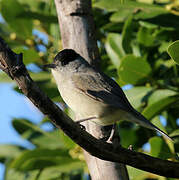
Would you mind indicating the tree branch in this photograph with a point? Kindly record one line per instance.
(12, 64)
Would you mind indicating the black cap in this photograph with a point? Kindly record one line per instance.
(65, 56)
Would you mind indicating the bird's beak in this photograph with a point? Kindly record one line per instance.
(52, 66)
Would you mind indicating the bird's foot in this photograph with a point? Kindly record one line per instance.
(82, 126)
(131, 147)
(83, 120)
(114, 138)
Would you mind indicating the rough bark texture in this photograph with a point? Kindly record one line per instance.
(77, 28)
(12, 64)
(77, 32)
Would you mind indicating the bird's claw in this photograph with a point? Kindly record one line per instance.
(130, 147)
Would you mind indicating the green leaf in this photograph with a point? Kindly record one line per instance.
(166, 20)
(173, 51)
(150, 101)
(125, 133)
(41, 17)
(151, 12)
(159, 148)
(148, 25)
(134, 70)
(145, 37)
(175, 133)
(133, 6)
(43, 79)
(12, 174)
(29, 55)
(46, 82)
(34, 5)
(11, 9)
(137, 12)
(40, 138)
(41, 158)
(22, 125)
(50, 88)
(4, 77)
(136, 95)
(10, 151)
(121, 15)
(137, 174)
(156, 121)
(114, 48)
(164, 47)
(53, 172)
(54, 29)
(41, 76)
(127, 35)
(159, 100)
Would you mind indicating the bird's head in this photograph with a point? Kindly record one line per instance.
(64, 59)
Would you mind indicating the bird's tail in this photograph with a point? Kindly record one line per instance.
(141, 120)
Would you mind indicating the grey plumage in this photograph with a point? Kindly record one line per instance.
(90, 93)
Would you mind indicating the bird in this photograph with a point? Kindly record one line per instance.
(92, 94)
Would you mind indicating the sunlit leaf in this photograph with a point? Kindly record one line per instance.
(114, 48)
(5, 78)
(125, 134)
(146, 37)
(175, 133)
(156, 121)
(12, 174)
(173, 51)
(55, 171)
(135, 7)
(159, 148)
(29, 55)
(10, 10)
(151, 101)
(41, 76)
(41, 17)
(137, 174)
(137, 95)
(133, 69)
(125, 11)
(127, 35)
(10, 151)
(159, 100)
(121, 15)
(39, 137)
(41, 158)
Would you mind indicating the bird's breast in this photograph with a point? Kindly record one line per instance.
(81, 103)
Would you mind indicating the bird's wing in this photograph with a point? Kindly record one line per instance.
(102, 88)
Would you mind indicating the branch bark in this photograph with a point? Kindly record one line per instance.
(78, 33)
(12, 64)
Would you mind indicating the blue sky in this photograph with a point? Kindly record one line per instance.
(14, 105)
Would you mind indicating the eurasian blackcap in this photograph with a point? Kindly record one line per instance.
(91, 94)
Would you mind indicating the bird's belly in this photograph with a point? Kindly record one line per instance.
(85, 106)
(81, 103)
